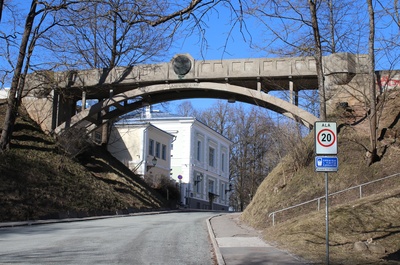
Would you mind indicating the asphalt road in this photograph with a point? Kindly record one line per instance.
(173, 238)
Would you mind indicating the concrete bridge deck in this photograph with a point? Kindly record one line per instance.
(262, 74)
(124, 89)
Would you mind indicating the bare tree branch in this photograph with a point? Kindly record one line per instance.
(186, 11)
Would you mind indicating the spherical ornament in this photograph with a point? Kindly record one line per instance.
(181, 65)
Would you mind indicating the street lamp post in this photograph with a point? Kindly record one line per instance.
(230, 188)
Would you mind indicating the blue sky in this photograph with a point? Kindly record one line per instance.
(224, 41)
(219, 45)
(239, 46)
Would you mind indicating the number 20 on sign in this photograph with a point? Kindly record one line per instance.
(325, 138)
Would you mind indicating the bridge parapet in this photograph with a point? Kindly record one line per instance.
(257, 67)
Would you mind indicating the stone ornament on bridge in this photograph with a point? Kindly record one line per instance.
(182, 64)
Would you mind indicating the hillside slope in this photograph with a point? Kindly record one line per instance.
(286, 186)
(37, 180)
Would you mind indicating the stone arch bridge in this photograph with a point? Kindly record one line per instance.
(52, 97)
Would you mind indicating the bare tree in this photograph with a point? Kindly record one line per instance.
(113, 42)
(186, 109)
(250, 131)
(335, 26)
(105, 34)
(372, 88)
(312, 28)
(31, 33)
(318, 58)
(219, 117)
(12, 102)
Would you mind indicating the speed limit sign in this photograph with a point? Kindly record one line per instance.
(325, 138)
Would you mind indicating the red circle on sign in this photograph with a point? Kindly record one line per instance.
(333, 136)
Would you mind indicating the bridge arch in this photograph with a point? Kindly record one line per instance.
(52, 96)
(122, 103)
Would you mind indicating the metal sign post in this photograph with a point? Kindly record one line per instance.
(326, 144)
(327, 218)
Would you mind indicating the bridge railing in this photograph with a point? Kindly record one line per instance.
(318, 200)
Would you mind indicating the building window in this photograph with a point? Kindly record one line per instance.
(158, 149)
(164, 152)
(223, 162)
(151, 147)
(198, 151)
(211, 156)
(199, 178)
(211, 186)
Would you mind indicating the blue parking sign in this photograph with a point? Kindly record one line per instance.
(326, 163)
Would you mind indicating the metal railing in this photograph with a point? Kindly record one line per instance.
(318, 200)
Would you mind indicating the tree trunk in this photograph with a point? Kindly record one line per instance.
(13, 102)
(372, 90)
(318, 57)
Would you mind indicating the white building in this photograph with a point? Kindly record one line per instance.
(144, 148)
(199, 159)
(4, 93)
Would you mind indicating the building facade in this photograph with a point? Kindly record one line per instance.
(142, 147)
(199, 159)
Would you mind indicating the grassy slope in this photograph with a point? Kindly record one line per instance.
(302, 230)
(37, 180)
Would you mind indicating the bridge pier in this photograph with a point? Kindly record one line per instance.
(83, 100)
(293, 93)
(55, 110)
(65, 109)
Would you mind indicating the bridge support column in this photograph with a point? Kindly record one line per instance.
(83, 100)
(56, 109)
(63, 110)
(294, 94)
(258, 84)
(66, 109)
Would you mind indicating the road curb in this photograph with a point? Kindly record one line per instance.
(218, 255)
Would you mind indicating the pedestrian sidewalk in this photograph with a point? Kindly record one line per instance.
(235, 243)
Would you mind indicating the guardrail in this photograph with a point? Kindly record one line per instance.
(318, 200)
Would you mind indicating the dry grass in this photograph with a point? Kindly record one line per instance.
(302, 229)
(375, 217)
(37, 180)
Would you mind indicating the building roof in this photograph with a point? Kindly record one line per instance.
(145, 115)
(139, 124)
